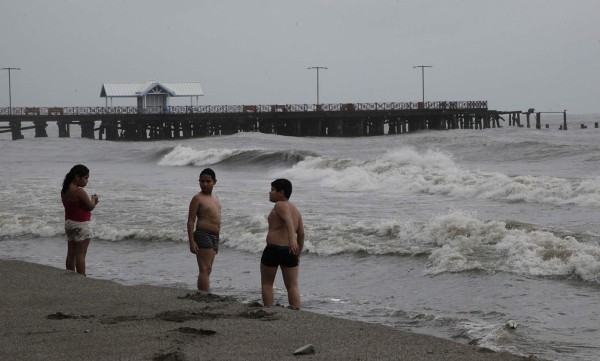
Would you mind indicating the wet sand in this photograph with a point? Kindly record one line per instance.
(53, 314)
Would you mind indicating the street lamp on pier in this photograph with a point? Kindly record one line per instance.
(317, 68)
(9, 88)
(423, 78)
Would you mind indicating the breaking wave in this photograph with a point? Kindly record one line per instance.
(453, 242)
(436, 173)
(188, 156)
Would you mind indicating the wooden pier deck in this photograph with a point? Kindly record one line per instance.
(323, 120)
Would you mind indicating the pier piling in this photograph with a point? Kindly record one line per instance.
(15, 128)
(40, 128)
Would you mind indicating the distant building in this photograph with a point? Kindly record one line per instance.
(152, 96)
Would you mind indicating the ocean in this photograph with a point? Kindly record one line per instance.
(448, 233)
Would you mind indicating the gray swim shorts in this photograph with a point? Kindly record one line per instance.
(206, 239)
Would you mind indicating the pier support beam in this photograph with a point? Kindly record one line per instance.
(454, 122)
(112, 129)
(186, 128)
(265, 126)
(311, 128)
(87, 129)
(15, 129)
(393, 126)
(200, 129)
(64, 130)
(40, 128)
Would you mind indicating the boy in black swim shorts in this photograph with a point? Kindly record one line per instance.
(285, 240)
(275, 256)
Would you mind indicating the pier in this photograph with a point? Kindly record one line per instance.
(301, 120)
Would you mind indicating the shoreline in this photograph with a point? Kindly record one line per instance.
(53, 314)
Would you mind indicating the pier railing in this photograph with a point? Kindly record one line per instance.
(216, 109)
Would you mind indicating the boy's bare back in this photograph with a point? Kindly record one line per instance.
(278, 231)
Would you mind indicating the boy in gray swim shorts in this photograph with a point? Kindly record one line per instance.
(204, 226)
(206, 239)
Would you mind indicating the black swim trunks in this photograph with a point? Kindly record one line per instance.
(274, 256)
(206, 239)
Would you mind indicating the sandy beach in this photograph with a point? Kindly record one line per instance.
(52, 314)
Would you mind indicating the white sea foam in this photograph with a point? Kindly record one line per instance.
(18, 225)
(111, 233)
(453, 242)
(543, 254)
(436, 173)
(12, 225)
(468, 243)
(182, 155)
(487, 335)
(407, 171)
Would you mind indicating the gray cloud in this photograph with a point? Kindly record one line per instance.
(514, 53)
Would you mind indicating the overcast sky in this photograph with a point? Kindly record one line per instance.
(515, 54)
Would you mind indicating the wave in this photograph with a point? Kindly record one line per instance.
(188, 156)
(486, 332)
(454, 242)
(407, 171)
(16, 225)
(464, 243)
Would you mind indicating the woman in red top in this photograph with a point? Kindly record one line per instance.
(78, 214)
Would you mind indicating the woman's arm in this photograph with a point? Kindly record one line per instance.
(88, 202)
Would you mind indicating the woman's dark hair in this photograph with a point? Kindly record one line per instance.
(78, 170)
(283, 185)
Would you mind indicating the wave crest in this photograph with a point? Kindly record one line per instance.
(454, 242)
(184, 156)
(406, 171)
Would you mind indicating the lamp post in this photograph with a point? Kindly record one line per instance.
(423, 78)
(9, 91)
(317, 68)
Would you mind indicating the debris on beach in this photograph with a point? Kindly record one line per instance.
(511, 324)
(196, 331)
(305, 350)
(63, 316)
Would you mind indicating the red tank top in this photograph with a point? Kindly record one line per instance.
(75, 211)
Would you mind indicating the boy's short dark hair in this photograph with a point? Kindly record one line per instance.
(209, 172)
(284, 185)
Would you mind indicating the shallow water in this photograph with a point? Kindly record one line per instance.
(447, 233)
